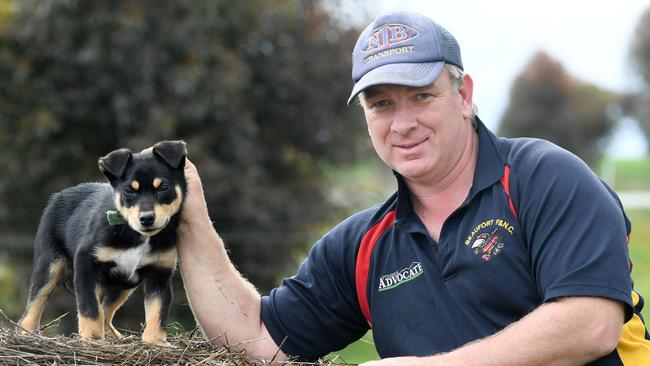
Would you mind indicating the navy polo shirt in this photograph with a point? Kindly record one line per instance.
(491, 266)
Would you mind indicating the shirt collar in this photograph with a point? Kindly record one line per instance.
(489, 170)
(489, 165)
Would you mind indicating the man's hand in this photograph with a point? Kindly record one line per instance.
(226, 305)
(194, 205)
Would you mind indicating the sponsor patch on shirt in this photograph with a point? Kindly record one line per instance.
(398, 278)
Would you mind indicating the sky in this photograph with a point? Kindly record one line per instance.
(591, 39)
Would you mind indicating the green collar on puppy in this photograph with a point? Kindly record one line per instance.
(114, 218)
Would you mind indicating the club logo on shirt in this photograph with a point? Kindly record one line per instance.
(487, 245)
(486, 240)
(398, 278)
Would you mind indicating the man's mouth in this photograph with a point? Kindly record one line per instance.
(411, 144)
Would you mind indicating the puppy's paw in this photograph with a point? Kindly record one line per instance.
(156, 337)
(162, 343)
(91, 329)
(28, 323)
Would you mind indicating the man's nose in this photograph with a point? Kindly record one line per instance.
(404, 120)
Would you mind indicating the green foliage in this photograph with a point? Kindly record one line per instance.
(9, 299)
(546, 102)
(256, 88)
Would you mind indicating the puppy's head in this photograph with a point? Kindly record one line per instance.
(148, 187)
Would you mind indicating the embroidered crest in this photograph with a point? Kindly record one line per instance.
(486, 240)
(486, 245)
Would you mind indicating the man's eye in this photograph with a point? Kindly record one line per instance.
(381, 104)
(423, 96)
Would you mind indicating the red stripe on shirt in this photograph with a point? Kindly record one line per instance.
(363, 260)
(505, 181)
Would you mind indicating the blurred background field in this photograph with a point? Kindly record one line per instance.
(258, 88)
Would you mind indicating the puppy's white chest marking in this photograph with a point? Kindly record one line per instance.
(131, 259)
(128, 261)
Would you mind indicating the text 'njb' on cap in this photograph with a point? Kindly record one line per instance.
(402, 48)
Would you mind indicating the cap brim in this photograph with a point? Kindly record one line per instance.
(406, 74)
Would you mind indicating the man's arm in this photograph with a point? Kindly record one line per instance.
(226, 306)
(567, 331)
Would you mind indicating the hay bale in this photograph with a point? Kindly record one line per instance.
(17, 348)
(188, 348)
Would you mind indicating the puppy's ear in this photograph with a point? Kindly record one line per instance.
(114, 164)
(171, 152)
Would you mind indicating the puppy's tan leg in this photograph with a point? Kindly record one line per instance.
(153, 332)
(44, 281)
(92, 327)
(112, 302)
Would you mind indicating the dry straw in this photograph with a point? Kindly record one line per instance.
(187, 348)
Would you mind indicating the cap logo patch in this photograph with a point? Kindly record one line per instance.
(389, 35)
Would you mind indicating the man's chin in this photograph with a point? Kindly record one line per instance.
(413, 169)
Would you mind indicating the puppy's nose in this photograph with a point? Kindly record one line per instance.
(147, 218)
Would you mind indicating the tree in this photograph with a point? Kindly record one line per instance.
(256, 88)
(638, 104)
(546, 102)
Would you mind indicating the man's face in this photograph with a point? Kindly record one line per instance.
(420, 132)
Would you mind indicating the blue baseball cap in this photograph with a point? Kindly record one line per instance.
(402, 48)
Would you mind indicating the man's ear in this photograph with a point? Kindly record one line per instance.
(466, 92)
(171, 152)
(114, 164)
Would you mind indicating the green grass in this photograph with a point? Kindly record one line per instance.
(628, 174)
(358, 352)
(640, 255)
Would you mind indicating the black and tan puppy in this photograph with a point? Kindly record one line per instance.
(112, 237)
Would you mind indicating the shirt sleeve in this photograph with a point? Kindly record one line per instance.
(574, 226)
(316, 311)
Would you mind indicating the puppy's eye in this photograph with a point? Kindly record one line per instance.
(129, 191)
(164, 187)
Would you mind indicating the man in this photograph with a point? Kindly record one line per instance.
(492, 251)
